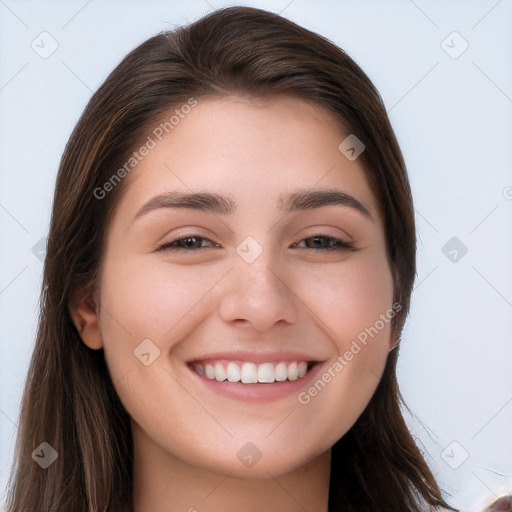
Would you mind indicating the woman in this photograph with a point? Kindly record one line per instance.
(228, 272)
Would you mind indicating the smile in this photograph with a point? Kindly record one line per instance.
(255, 377)
(251, 373)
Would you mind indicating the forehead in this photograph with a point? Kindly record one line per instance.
(254, 151)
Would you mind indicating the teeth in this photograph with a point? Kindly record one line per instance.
(293, 372)
(200, 369)
(280, 372)
(220, 374)
(250, 373)
(209, 371)
(266, 372)
(233, 372)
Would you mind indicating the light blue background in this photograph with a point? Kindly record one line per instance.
(453, 121)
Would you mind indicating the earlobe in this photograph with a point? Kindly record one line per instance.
(84, 311)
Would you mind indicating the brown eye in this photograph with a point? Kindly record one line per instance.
(187, 243)
(327, 243)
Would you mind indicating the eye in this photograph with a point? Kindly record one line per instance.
(187, 243)
(325, 243)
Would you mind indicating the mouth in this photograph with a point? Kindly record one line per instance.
(254, 379)
(252, 373)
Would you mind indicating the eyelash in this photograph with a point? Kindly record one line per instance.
(339, 245)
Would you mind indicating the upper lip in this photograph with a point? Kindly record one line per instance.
(256, 357)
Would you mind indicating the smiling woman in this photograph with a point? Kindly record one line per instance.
(220, 327)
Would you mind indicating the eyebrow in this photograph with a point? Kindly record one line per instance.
(221, 204)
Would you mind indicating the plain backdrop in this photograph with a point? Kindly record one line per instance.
(444, 71)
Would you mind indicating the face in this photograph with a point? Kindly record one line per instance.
(245, 331)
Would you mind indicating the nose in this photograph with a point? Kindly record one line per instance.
(258, 296)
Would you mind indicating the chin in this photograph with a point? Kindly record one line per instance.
(249, 462)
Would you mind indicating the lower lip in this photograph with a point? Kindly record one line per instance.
(258, 392)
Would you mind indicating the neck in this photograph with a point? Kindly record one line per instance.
(164, 483)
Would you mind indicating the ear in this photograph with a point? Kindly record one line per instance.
(84, 310)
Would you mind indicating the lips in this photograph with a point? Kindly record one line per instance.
(253, 368)
(212, 373)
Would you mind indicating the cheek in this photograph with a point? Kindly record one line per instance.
(157, 301)
(350, 297)
(150, 300)
(160, 303)
(355, 308)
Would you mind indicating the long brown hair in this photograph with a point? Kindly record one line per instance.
(69, 400)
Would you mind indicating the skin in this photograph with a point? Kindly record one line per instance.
(187, 437)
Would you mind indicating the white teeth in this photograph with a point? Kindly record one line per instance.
(233, 372)
(266, 372)
(220, 373)
(280, 372)
(209, 372)
(293, 372)
(250, 373)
